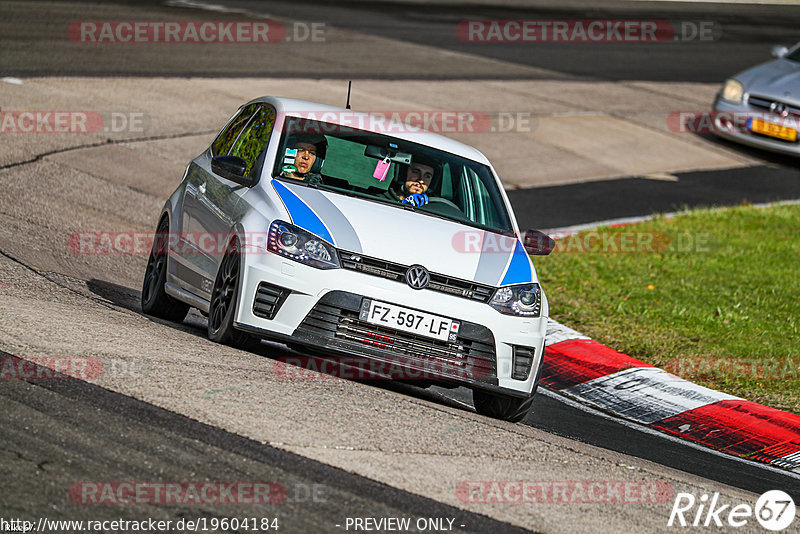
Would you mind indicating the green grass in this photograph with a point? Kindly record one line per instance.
(711, 295)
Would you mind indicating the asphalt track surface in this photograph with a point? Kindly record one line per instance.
(738, 34)
(584, 203)
(41, 415)
(742, 36)
(86, 423)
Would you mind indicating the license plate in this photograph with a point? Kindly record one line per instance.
(407, 320)
(773, 130)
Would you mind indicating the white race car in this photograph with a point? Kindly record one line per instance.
(343, 236)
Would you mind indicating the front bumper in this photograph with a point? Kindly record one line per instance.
(726, 113)
(294, 303)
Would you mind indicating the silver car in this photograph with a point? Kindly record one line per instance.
(760, 107)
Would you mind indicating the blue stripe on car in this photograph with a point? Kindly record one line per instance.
(302, 215)
(346, 236)
(494, 258)
(519, 270)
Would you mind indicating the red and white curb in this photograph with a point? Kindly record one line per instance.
(599, 376)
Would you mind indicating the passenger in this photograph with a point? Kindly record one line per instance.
(309, 148)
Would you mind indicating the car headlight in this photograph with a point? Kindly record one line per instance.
(732, 91)
(291, 242)
(524, 300)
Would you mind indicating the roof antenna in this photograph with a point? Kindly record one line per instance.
(348, 93)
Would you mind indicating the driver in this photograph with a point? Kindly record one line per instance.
(308, 148)
(418, 179)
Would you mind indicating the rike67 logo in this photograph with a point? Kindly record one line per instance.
(774, 510)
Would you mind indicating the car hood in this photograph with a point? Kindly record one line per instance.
(778, 80)
(406, 237)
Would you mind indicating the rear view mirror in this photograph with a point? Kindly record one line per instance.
(232, 168)
(379, 152)
(537, 243)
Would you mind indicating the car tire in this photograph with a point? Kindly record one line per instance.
(224, 297)
(513, 409)
(155, 300)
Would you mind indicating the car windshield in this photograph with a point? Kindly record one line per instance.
(794, 56)
(377, 167)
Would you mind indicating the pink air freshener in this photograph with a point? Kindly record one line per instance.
(381, 169)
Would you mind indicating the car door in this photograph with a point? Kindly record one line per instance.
(210, 200)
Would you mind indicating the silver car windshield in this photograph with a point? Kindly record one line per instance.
(794, 56)
(385, 169)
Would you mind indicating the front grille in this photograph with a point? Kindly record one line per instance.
(766, 103)
(350, 327)
(334, 323)
(523, 361)
(268, 300)
(397, 272)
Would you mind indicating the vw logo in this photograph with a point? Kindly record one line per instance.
(418, 277)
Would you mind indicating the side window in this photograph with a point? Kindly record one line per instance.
(467, 193)
(482, 206)
(482, 201)
(228, 135)
(446, 189)
(253, 140)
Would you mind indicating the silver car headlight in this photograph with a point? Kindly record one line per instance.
(292, 242)
(523, 300)
(732, 91)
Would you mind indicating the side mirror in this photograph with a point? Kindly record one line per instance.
(779, 51)
(232, 168)
(537, 243)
